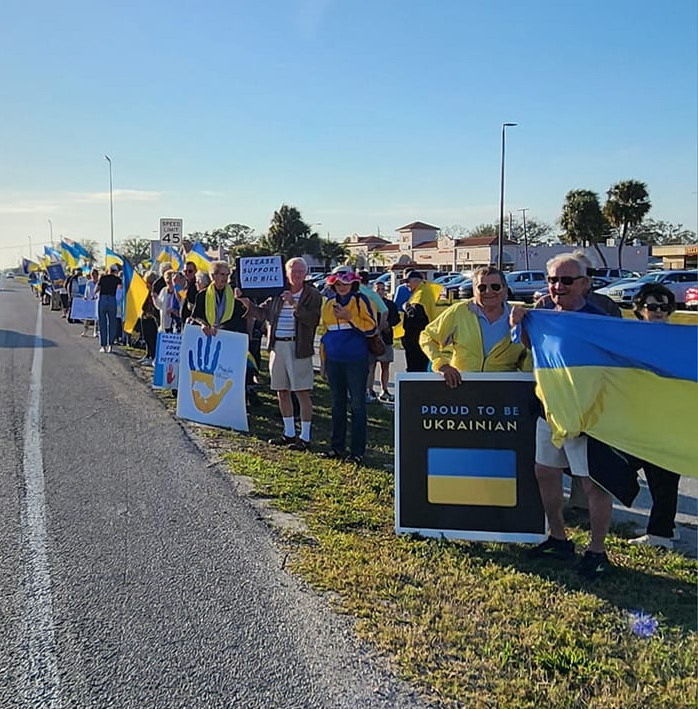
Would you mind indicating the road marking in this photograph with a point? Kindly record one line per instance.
(41, 686)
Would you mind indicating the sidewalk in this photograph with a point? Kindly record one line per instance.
(687, 514)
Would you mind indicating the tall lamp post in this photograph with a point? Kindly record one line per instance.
(50, 231)
(111, 202)
(523, 211)
(500, 240)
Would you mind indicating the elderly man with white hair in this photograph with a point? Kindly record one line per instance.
(568, 285)
(292, 319)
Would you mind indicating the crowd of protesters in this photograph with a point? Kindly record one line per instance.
(473, 335)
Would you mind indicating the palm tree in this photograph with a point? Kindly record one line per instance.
(289, 235)
(332, 252)
(583, 221)
(627, 204)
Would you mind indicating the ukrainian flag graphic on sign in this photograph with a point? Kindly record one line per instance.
(471, 476)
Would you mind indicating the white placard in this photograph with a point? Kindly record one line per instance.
(171, 232)
(212, 378)
(257, 272)
(82, 309)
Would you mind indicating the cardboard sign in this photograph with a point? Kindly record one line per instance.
(260, 276)
(212, 378)
(464, 458)
(81, 309)
(166, 364)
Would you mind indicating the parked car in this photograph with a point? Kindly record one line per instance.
(450, 290)
(465, 289)
(613, 274)
(382, 278)
(678, 282)
(692, 298)
(524, 284)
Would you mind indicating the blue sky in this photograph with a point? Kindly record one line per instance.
(363, 115)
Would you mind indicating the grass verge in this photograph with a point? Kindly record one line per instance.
(474, 625)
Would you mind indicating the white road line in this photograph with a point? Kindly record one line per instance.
(41, 688)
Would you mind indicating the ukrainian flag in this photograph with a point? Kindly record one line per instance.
(28, 266)
(111, 257)
(475, 476)
(69, 255)
(52, 254)
(169, 254)
(135, 291)
(631, 384)
(199, 256)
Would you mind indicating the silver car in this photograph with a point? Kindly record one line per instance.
(524, 284)
(678, 282)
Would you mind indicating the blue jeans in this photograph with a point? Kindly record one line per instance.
(351, 377)
(106, 309)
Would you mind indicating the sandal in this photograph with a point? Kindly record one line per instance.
(332, 454)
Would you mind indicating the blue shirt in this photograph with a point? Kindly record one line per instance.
(494, 332)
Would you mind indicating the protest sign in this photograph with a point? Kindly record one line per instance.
(212, 378)
(464, 458)
(166, 364)
(82, 309)
(260, 276)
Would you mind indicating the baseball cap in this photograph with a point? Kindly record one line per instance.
(114, 268)
(346, 276)
(414, 274)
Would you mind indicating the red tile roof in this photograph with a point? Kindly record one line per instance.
(482, 241)
(417, 225)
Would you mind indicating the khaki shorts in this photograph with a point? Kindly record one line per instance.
(387, 356)
(572, 455)
(287, 372)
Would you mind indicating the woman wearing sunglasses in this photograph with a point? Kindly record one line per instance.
(476, 331)
(655, 303)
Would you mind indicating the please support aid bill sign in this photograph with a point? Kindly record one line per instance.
(464, 458)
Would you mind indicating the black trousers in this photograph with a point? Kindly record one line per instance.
(415, 359)
(664, 488)
(150, 335)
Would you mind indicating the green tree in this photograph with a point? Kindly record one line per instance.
(134, 249)
(583, 221)
(627, 204)
(660, 233)
(483, 230)
(289, 235)
(92, 249)
(332, 252)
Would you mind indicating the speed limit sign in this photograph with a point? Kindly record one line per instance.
(171, 231)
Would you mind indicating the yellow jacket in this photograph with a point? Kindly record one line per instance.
(457, 329)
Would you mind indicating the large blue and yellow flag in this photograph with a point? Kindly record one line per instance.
(199, 256)
(135, 291)
(111, 258)
(52, 254)
(69, 255)
(169, 254)
(29, 266)
(631, 384)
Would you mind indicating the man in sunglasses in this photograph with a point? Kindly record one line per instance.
(477, 331)
(568, 285)
(191, 290)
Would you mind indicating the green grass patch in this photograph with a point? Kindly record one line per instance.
(474, 625)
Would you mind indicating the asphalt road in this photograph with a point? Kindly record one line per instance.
(133, 575)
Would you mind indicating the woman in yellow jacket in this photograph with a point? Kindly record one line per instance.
(348, 318)
(474, 336)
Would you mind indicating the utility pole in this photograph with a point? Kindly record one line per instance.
(523, 211)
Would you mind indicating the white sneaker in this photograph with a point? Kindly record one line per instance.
(108, 349)
(102, 350)
(652, 540)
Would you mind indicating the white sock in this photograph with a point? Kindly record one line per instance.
(305, 431)
(289, 426)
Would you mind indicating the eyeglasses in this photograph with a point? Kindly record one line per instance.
(482, 287)
(654, 307)
(565, 280)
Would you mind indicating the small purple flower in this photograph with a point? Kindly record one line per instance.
(642, 624)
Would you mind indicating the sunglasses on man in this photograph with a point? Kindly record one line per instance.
(482, 287)
(565, 280)
(654, 307)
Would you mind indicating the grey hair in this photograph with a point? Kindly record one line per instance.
(203, 277)
(574, 258)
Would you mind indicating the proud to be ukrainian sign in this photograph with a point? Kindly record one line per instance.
(464, 458)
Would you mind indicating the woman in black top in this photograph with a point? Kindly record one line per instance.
(106, 307)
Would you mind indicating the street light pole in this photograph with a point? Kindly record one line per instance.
(50, 231)
(111, 202)
(523, 211)
(500, 240)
